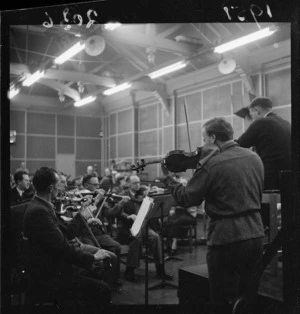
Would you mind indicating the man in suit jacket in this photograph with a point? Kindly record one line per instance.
(270, 135)
(51, 256)
(21, 191)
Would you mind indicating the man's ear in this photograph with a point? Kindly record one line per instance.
(50, 188)
(258, 110)
(213, 136)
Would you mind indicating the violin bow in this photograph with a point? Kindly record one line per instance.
(89, 230)
(100, 209)
(187, 127)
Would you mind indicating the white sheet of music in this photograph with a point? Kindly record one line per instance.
(144, 209)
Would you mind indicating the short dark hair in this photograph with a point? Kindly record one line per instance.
(87, 178)
(262, 102)
(220, 128)
(18, 176)
(120, 178)
(43, 178)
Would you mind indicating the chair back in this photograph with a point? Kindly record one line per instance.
(16, 230)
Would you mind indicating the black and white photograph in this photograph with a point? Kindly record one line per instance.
(153, 158)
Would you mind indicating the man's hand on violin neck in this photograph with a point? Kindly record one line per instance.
(133, 217)
(99, 196)
(124, 200)
(88, 201)
(164, 169)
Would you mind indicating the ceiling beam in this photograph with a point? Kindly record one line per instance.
(159, 90)
(136, 62)
(170, 30)
(68, 91)
(201, 33)
(144, 40)
(87, 78)
(208, 25)
(16, 47)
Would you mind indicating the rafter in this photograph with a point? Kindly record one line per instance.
(144, 40)
(71, 92)
(87, 78)
(169, 31)
(16, 47)
(136, 62)
(201, 33)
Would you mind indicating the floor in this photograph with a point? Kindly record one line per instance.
(165, 299)
(135, 293)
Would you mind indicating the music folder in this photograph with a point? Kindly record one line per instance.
(142, 216)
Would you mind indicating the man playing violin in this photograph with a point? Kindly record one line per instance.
(90, 209)
(230, 180)
(71, 227)
(127, 217)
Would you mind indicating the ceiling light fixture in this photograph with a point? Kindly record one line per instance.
(116, 89)
(168, 69)
(33, 78)
(13, 92)
(84, 101)
(111, 26)
(246, 39)
(70, 53)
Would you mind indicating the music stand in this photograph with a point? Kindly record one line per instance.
(162, 204)
(140, 222)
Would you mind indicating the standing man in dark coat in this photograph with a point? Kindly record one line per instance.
(270, 135)
(51, 255)
(230, 180)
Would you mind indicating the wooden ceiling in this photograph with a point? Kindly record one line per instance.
(129, 53)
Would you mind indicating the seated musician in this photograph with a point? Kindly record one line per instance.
(90, 183)
(72, 227)
(22, 190)
(178, 217)
(127, 217)
(120, 185)
(51, 256)
(108, 180)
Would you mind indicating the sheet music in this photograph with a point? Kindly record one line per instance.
(140, 218)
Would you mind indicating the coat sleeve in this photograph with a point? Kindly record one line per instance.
(249, 137)
(193, 193)
(42, 226)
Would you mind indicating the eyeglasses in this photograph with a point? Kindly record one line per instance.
(95, 184)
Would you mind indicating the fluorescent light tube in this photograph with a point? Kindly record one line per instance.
(70, 53)
(168, 69)
(84, 101)
(33, 78)
(117, 88)
(111, 26)
(245, 39)
(13, 92)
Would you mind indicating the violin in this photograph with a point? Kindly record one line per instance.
(108, 195)
(175, 161)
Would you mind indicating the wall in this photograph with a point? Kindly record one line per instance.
(157, 132)
(145, 130)
(43, 139)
